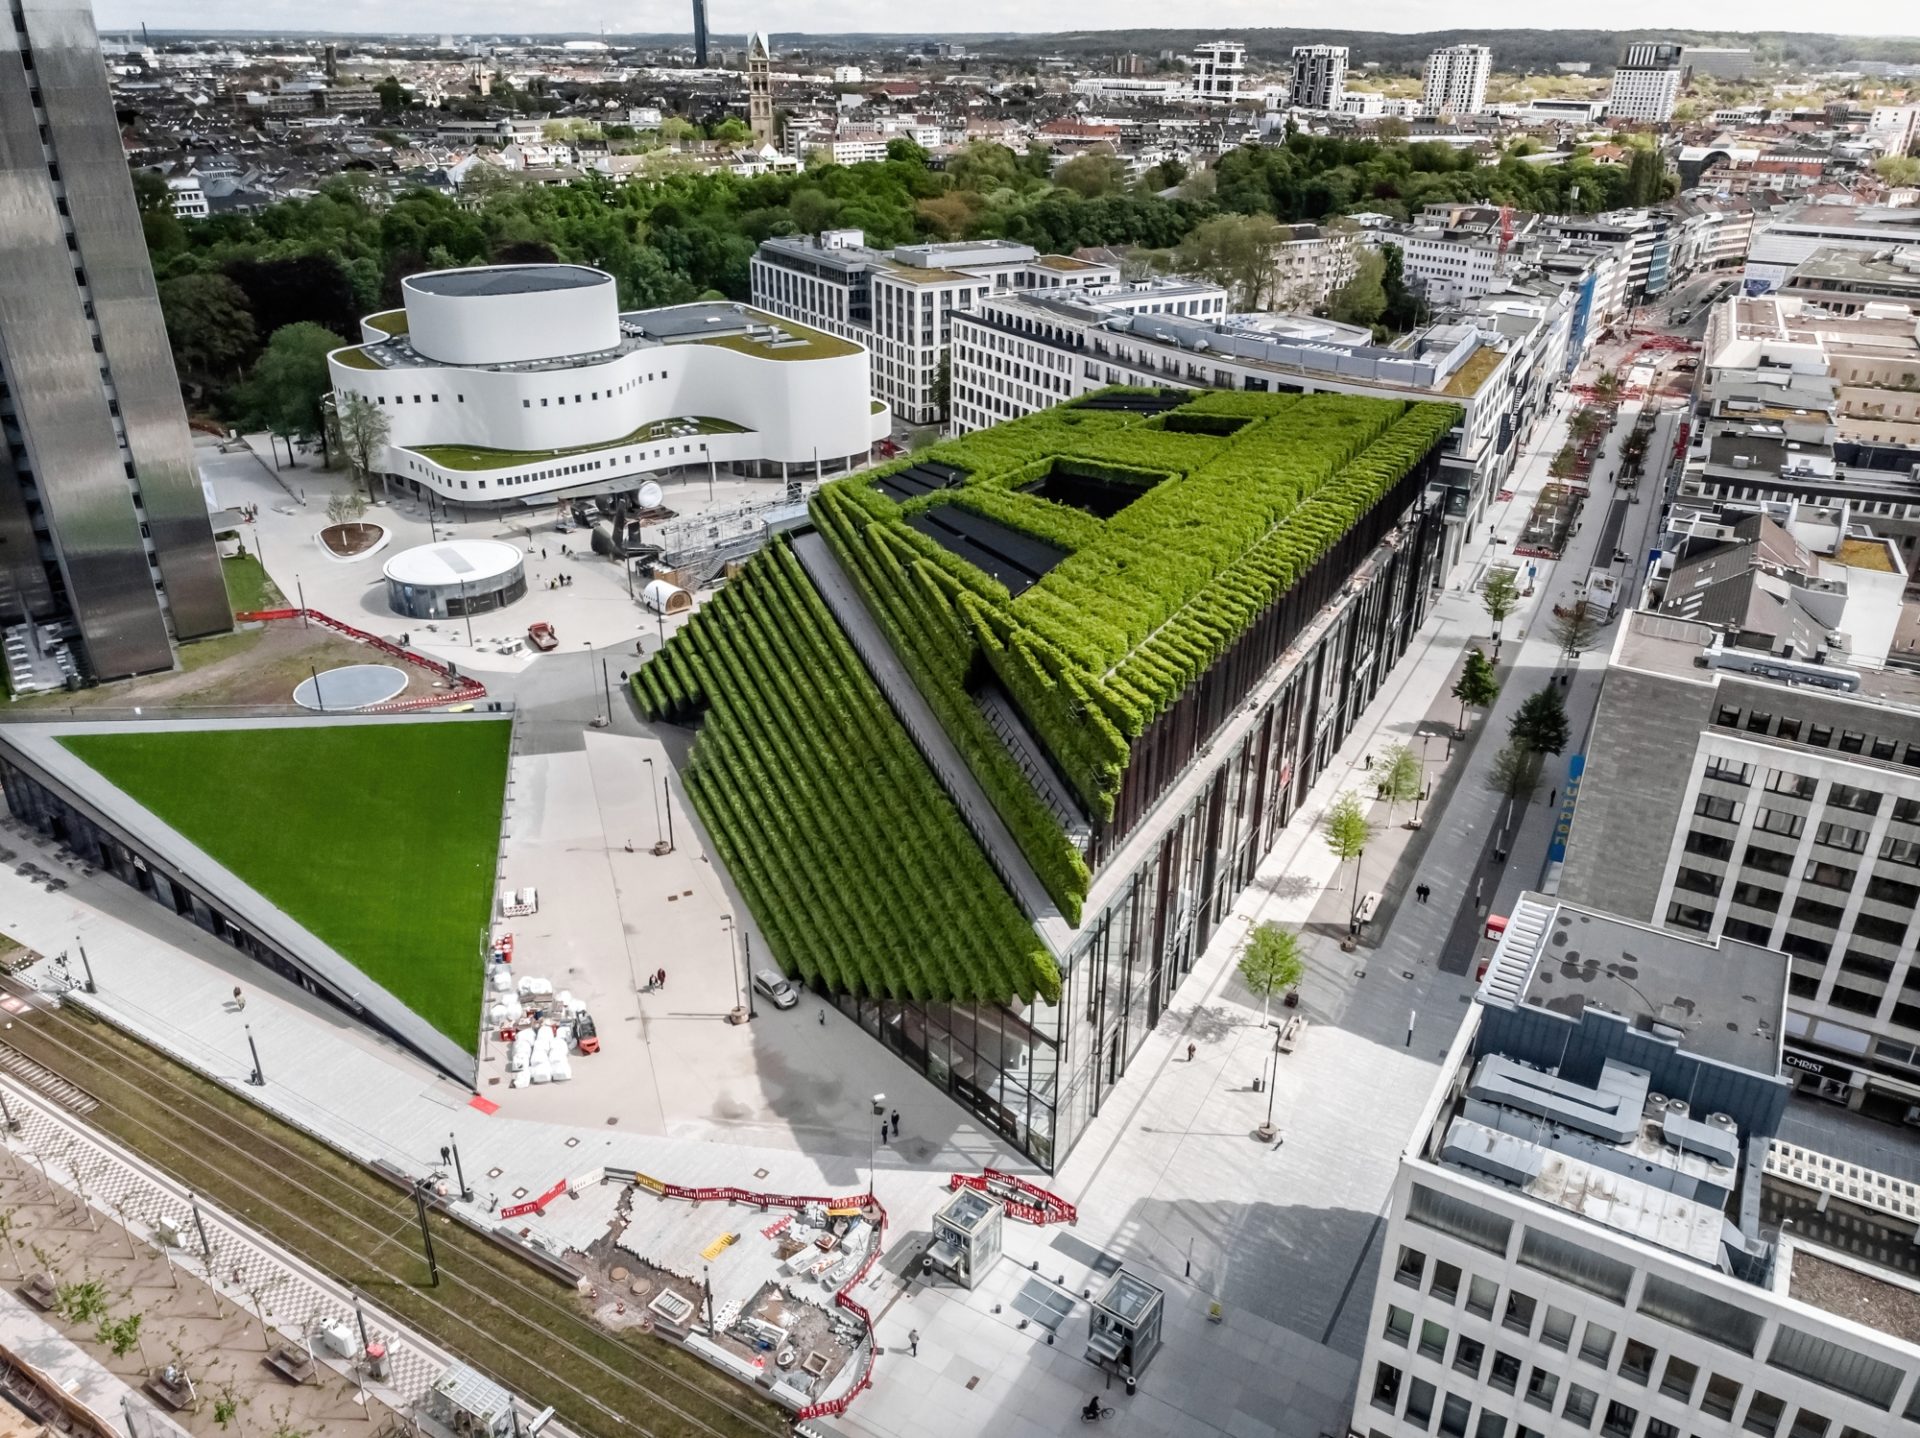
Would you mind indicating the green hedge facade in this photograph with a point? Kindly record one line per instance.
(1238, 495)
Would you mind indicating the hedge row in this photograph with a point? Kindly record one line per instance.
(918, 605)
(856, 864)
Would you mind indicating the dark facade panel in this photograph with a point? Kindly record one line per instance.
(46, 349)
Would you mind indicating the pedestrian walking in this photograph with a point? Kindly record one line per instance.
(823, 1016)
(1191, 1050)
(660, 979)
(239, 999)
(1553, 796)
(913, 1342)
(896, 1123)
(883, 1133)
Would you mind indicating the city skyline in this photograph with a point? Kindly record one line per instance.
(1852, 17)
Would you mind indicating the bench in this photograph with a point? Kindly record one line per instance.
(1290, 1034)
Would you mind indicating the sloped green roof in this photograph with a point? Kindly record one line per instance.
(379, 839)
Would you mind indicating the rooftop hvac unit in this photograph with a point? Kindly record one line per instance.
(1656, 1105)
(1722, 1120)
(1677, 1107)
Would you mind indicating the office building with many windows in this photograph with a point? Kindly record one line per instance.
(900, 303)
(106, 554)
(1754, 773)
(1646, 84)
(1613, 1219)
(1219, 68)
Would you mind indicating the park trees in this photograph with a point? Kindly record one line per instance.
(1271, 963)
(283, 394)
(209, 325)
(1362, 300)
(1236, 252)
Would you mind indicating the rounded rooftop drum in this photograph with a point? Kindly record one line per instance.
(503, 314)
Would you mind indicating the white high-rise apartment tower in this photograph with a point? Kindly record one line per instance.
(1646, 86)
(1319, 76)
(1456, 80)
(1219, 66)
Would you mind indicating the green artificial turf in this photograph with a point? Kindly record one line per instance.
(379, 839)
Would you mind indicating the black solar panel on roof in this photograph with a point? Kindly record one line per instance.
(1156, 403)
(1017, 560)
(918, 479)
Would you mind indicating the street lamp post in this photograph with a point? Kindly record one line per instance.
(655, 792)
(92, 987)
(746, 970)
(459, 1176)
(873, 1144)
(299, 590)
(1266, 1129)
(258, 1077)
(314, 670)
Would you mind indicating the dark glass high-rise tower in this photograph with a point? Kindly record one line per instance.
(700, 33)
(103, 527)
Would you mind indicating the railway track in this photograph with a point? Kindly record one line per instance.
(497, 1314)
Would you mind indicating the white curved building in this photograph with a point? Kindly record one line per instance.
(520, 384)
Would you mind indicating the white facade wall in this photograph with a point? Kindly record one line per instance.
(1648, 95)
(1456, 80)
(1489, 1344)
(1452, 269)
(1319, 76)
(791, 410)
(465, 329)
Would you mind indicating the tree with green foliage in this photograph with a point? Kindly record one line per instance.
(943, 383)
(209, 325)
(1400, 775)
(1236, 252)
(904, 150)
(1097, 172)
(1477, 686)
(1403, 304)
(1347, 830)
(121, 1336)
(393, 95)
(1362, 300)
(732, 131)
(1541, 723)
(1500, 596)
(1563, 463)
(1271, 963)
(1898, 169)
(283, 394)
(363, 429)
(1516, 769)
(983, 166)
(1575, 628)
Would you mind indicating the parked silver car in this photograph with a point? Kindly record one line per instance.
(775, 989)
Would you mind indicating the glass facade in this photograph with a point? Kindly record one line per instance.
(1039, 1073)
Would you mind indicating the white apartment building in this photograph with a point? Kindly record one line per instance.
(900, 303)
(1646, 85)
(510, 385)
(1319, 76)
(1219, 68)
(1456, 80)
(189, 200)
(1310, 263)
(1599, 1226)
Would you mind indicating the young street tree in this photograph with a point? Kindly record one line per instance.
(1541, 724)
(1576, 628)
(1271, 963)
(1515, 770)
(1399, 773)
(364, 428)
(1347, 830)
(1477, 688)
(1500, 593)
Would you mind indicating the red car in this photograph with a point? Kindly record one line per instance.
(541, 636)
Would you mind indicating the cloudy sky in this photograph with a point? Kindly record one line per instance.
(1864, 17)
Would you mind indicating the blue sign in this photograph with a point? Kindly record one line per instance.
(1557, 850)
